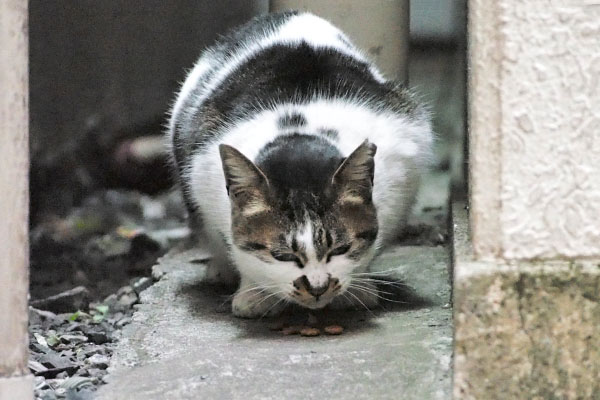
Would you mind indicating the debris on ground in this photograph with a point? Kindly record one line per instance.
(88, 270)
(71, 351)
(112, 237)
(311, 327)
(308, 331)
(334, 330)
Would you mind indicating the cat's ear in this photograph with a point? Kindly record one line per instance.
(246, 183)
(353, 180)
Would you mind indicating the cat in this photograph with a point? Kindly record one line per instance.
(298, 160)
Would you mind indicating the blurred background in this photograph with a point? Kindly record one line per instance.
(102, 76)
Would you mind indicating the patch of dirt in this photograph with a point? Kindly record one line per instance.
(87, 272)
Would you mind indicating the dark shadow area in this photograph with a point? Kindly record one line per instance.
(213, 302)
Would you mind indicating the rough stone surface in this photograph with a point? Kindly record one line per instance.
(534, 96)
(184, 343)
(16, 388)
(14, 159)
(526, 330)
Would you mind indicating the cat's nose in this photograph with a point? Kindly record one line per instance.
(317, 291)
(314, 290)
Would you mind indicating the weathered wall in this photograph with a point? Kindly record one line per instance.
(14, 383)
(528, 332)
(535, 142)
(526, 305)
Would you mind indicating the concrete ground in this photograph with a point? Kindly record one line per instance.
(185, 344)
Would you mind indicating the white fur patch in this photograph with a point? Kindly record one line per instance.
(403, 150)
(304, 27)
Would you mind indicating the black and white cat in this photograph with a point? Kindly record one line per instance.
(298, 159)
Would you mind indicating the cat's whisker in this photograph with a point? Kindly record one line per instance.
(260, 288)
(370, 289)
(382, 282)
(272, 306)
(256, 304)
(361, 302)
(389, 286)
(378, 295)
(384, 272)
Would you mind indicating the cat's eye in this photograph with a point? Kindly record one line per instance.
(287, 257)
(338, 251)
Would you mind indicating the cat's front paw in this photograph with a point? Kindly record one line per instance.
(220, 272)
(256, 304)
(367, 297)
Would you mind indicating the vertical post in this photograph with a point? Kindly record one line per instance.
(15, 381)
(527, 301)
(379, 27)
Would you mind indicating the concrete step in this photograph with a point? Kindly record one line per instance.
(185, 344)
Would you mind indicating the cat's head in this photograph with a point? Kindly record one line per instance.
(302, 240)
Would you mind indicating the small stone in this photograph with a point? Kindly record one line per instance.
(308, 331)
(142, 284)
(97, 336)
(54, 360)
(68, 301)
(110, 301)
(62, 375)
(40, 382)
(157, 274)
(75, 382)
(99, 361)
(40, 339)
(123, 321)
(36, 367)
(48, 395)
(41, 313)
(127, 297)
(73, 338)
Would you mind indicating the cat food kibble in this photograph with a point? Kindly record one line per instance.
(308, 331)
(334, 330)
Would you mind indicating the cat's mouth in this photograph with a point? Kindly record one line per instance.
(314, 303)
(315, 298)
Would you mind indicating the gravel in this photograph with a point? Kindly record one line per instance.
(88, 270)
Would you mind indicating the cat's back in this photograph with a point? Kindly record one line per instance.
(252, 58)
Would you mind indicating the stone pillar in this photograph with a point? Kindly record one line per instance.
(527, 296)
(379, 27)
(15, 381)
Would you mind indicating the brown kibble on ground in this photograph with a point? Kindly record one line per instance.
(308, 331)
(292, 330)
(334, 330)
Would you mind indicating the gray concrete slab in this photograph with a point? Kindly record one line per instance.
(184, 343)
